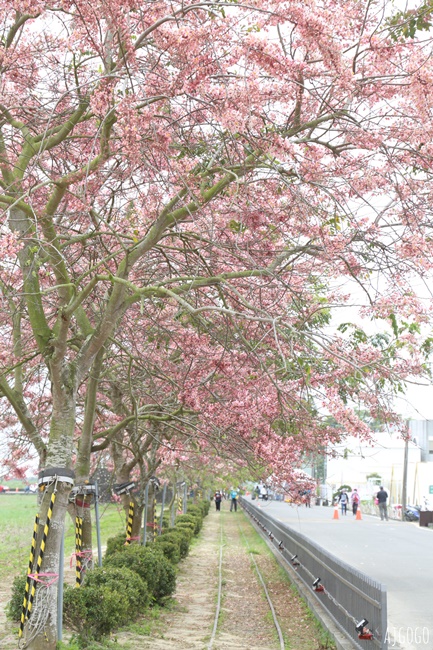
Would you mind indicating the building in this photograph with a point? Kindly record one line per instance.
(365, 465)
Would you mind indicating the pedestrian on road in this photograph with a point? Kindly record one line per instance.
(218, 498)
(355, 501)
(381, 497)
(234, 500)
(343, 499)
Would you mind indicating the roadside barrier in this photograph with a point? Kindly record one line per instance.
(350, 597)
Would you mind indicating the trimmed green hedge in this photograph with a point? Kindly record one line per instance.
(180, 537)
(150, 564)
(106, 600)
(115, 544)
(196, 520)
(170, 547)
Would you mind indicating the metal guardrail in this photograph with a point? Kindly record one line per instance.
(348, 595)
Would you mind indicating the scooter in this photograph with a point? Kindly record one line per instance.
(412, 513)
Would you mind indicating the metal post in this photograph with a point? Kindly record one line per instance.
(60, 588)
(384, 619)
(98, 527)
(146, 498)
(185, 497)
(164, 490)
(173, 507)
(404, 493)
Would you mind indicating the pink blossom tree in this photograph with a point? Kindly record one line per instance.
(227, 163)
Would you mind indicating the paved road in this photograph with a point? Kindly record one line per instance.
(399, 555)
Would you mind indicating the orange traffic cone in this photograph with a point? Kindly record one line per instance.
(336, 513)
(358, 514)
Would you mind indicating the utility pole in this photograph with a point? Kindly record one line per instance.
(404, 490)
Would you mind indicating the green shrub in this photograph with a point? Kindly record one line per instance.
(194, 522)
(165, 521)
(181, 539)
(150, 564)
(15, 606)
(115, 544)
(170, 548)
(108, 598)
(186, 527)
(94, 611)
(205, 505)
(127, 583)
(193, 519)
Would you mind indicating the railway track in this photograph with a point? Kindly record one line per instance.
(261, 581)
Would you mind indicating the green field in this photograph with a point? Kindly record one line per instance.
(17, 517)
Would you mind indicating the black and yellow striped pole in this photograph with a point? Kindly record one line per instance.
(78, 548)
(29, 579)
(180, 503)
(129, 523)
(40, 557)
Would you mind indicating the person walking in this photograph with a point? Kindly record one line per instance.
(382, 497)
(343, 499)
(355, 501)
(233, 502)
(218, 498)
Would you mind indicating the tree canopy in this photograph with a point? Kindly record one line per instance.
(186, 192)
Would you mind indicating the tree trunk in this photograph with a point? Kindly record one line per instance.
(40, 631)
(81, 516)
(133, 518)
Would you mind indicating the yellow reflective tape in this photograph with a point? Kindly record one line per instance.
(41, 553)
(78, 547)
(129, 523)
(29, 580)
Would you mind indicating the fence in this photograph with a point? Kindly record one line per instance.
(348, 595)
